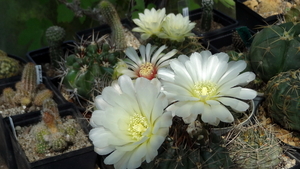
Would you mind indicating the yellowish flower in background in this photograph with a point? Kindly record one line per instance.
(148, 63)
(130, 123)
(149, 22)
(176, 27)
(203, 84)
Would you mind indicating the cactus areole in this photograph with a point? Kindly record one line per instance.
(275, 49)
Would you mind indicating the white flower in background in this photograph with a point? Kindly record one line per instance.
(147, 64)
(130, 123)
(204, 84)
(176, 27)
(149, 22)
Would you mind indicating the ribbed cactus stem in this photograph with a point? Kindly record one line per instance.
(42, 96)
(113, 20)
(207, 14)
(29, 78)
(55, 36)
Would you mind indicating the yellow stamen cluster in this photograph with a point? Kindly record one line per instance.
(146, 69)
(137, 126)
(205, 90)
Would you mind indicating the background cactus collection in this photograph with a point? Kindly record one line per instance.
(96, 62)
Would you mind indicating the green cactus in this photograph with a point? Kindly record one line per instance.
(255, 148)
(292, 15)
(8, 96)
(190, 146)
(207, 15)
(8, 66)
(88, 65)
(283, 100)
(55, 36)
(113, 20)
(275, 49)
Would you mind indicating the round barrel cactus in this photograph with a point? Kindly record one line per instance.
(274, 49)
(8, 66)
(88, 67)
(283, 99)
(255, 148)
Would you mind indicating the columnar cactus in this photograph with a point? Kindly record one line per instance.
(113, 20)
(190, 146)
(283, 99)
(275, 49)
(89, 65)
(207, 14)
(55, 36)
(255, 147)
(8, 66)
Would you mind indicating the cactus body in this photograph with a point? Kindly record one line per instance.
(88, 65)
(55, 36)
(8, 67)
(275, 49)
(255, 148)
(41, 96)
(283, 100)
(207, 14)
(113, 20)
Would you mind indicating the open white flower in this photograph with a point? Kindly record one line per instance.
(176, 27)
(204, 84)
(148, 63)
(130, 122)
(149, 22)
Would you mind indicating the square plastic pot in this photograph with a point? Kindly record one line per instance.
(84, 158)
(218, 17)
(41, 56)
(57, 96)
(250, 18)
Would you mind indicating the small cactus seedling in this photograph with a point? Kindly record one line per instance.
(275, 49)
(283, 99)
(254, 147)
(55, 36)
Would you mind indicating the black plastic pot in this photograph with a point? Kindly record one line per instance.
(84, 158)
(250, 18)
(41, 56)
(22, 62)
(57, 96)
(218, 17)
(100, 30)
(6, 154)
(223, 40)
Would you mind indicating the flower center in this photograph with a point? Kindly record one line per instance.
(137, 126)
(147, 71)
(205, 90)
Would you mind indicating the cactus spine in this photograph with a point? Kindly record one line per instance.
(55, 36)
(113, 20)
(283, 99)
(207, 14)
